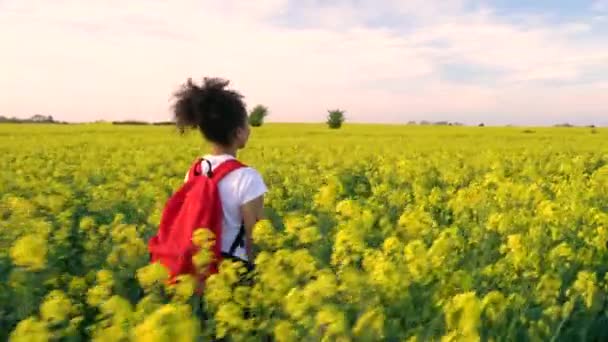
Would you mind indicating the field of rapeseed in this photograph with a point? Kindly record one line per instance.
(373, 233)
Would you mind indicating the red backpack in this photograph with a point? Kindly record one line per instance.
(195, 205)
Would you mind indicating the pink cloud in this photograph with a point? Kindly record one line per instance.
(115, 59)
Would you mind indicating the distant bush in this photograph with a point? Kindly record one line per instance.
(130, 122)
(335, 118)
(528, 131)
(256, 118)
(34, 119)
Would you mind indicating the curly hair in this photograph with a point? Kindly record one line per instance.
(216, 111)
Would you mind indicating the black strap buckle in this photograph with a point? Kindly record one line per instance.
(239, 241)
(198, 170)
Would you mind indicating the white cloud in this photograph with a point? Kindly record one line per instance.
(124, 58)
(600, 6)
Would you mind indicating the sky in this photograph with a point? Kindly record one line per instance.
(387, 61)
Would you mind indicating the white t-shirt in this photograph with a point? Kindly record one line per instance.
(236, 188)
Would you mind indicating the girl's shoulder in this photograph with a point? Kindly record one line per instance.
(247, 183)
(246, 174)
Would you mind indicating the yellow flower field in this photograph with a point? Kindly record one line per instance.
(396, 233)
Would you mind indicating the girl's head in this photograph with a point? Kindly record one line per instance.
(217, 112)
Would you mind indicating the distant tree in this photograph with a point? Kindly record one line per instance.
(39, 118)
(412, 122)
(482, 125)
(424, 123)
(335, 118)
(257, 115)
(130, 123)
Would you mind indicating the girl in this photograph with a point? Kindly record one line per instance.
(221, 117)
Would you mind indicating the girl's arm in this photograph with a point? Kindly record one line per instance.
(252, 212)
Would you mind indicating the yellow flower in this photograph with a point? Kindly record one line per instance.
(320, 289)
(203, 238)
(415, 223)
(147, 305)
(327, 195)
(348, 208)
(348, 246)
(110, 334)
(30, 330)
(463, 315)
(116, 325)
(304, 264)
(170, 323)
(98, 294)
(218, 287)
(585, 286)
(117, 306)
(284, 332)
(264, 234)
(241, 295)
(184, 288)
(370, 325)
(546, 209)
(296, 305)
(56, 307)
(30, 252)
(293, 223)
(229, 318)
(514, 242)
(391, 245)
(105, 278)
(548, 288)
(202, 259)
(415, 250)
(309, 235)
(87, 223)
(331, 321)
(154, 274)
(561, 251)
(494, 305)
(77, 286)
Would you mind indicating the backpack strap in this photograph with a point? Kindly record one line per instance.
(220, 171)
(239, 241)
(195, 169)
(224, 169)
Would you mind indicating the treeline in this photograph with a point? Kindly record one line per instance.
(46, 119)
(256, 119)
(143, 123)
(571, 125)
(436, 123)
